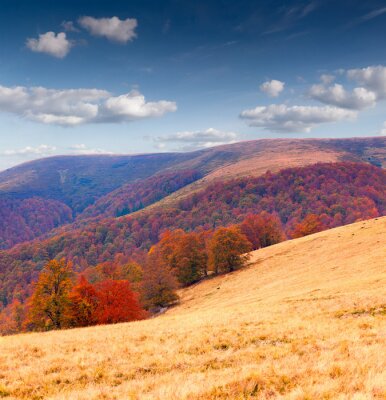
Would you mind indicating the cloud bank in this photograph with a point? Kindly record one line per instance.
(41, 150)
(194, 140)
(336, 95)
(71, 107)
(283, 118)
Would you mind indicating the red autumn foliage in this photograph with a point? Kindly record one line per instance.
(83, 304)
(25, 219)
(117, 303)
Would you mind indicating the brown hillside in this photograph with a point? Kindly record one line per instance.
(254, 158)
(306, 320)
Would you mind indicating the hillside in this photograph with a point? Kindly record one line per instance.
(306, 320)
(79, 182)
(337, 193)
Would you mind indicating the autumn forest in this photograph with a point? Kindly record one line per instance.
(121, 261)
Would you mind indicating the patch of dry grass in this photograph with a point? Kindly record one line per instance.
(305, 321)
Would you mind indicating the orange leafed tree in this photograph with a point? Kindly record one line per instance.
(227, 250)
(185, 254)
(117, 303)
(12, 318)
(48, 305)
(311, 224)
(262, 229)
(158, 285)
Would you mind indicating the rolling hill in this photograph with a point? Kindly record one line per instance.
(305, 320)
(79, 182)
(336, 193)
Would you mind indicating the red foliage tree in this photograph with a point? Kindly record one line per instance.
(117, 303)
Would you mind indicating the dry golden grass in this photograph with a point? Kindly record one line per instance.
(307, 320)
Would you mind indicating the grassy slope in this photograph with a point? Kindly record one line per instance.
(305, 321)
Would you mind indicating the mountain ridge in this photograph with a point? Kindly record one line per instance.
(80, 181)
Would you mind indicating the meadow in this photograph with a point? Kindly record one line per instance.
(305, 320)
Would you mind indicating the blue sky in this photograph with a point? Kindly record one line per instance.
(81, 77)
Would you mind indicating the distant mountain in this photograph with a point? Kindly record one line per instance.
(100, 186)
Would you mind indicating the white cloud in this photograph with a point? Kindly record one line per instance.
(70, 107)
(193, 140)
(50, 43)
(82, 149)
(283, 118)
(41, 150)
(372, 78)
(132, 106)
(336, 95)
(112, 28)
(272, 88)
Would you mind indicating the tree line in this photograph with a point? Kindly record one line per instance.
(305, 200)
(113, 292)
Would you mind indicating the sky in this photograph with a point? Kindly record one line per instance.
(89, 76)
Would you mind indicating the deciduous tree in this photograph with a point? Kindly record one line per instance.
(83, 304)
(159, 285)
(262, 229)
(117, 302)
(50, 299)
(227, 250)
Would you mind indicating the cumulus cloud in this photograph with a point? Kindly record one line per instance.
(113, 28)
(70, 107)
(50, 43)
(372, 81)
(41, 150)
(194, 140)
(132, 106)
(358, 99)
(283, 118)
(272, 88)
(372, 78)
